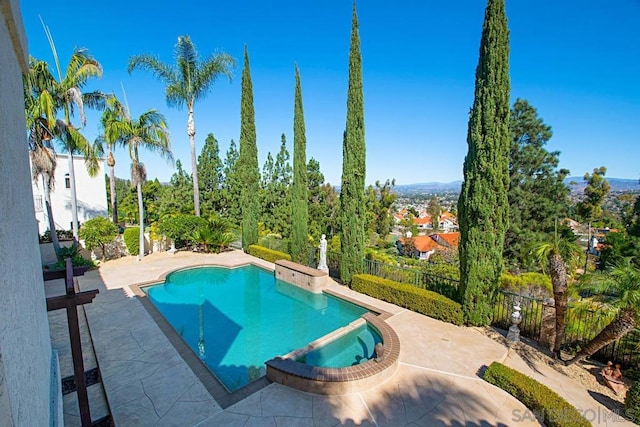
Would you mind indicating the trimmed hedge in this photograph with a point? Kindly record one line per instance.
(419, 300)
(131, 238)
(540, 399)
(267, 254)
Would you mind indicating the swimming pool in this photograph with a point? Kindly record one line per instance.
(236, 319)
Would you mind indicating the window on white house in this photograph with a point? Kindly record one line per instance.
(67, 181)
(37, 202)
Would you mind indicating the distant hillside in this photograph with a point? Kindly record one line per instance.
(617, 184)
(428, 188)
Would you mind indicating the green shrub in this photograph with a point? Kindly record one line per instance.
(213, 235)
(509, 282)
(76, 261)
(97, 233)
(379, 256)
(419, 300)
(131, 238)
(540, 399)
(68, 252)
(180, 228)
(63, 235)
(267, 254)
(529, 283)
(632, 402)
(274, 241)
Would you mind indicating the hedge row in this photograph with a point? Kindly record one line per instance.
(546, 404)
(419, 300)
(267, 254)
(131, 238)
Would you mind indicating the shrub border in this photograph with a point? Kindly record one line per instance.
(422, 301)
(267, 254)
(545, 403)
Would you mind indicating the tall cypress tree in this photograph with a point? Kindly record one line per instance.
(231, 186)
(248, 161)
(483, 207)
(352, 199)
(210, 175)
(299, 191)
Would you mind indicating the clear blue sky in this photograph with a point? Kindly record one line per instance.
(577, 62)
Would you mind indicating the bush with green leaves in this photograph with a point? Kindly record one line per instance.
(632, 402)
(68, 252)
(72, 252)
(180, 228)
(76, 261)
(97, 233)
(63, 235)
(410, 297)
(267, 254)
(213, 235)
(131, 238)
(551, 408)
(535, 284)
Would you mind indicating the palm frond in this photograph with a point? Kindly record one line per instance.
(160, 70)
(52, 45)
(177, 95)
(185, 50)
(216, 66)
(75, 98)
(95, 100)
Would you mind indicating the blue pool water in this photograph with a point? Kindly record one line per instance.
(353, 348)
(236, 319)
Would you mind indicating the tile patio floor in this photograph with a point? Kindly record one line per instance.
(147, 382)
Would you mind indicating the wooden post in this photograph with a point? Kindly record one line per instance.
(70, 302)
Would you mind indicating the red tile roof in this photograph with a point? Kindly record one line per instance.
(451, 239)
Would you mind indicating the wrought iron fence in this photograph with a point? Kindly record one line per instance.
(532, 308)
(582, 326)
(421, 279)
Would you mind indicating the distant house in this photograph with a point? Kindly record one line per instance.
(423, 223)
(448, 222)
(400, 215)
(425, 246)
(91, 194)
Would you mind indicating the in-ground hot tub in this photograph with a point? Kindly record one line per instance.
(351, 345)
(291, 370)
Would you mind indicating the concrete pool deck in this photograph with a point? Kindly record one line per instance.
(147, 382)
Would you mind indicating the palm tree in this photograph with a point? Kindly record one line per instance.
(557, 255)
(113, 112)
(617, 293)
(69, 98)
(187, 81)
(147, 131)
(40, 118)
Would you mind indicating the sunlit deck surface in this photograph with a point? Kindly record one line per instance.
(148, 382)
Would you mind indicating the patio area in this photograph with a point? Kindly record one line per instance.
(147, 381)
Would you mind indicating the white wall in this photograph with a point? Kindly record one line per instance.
(25, 348)
(90, 191)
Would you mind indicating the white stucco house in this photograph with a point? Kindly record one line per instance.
(91, 194)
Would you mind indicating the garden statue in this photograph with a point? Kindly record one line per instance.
(322, 264)
(516, 317)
